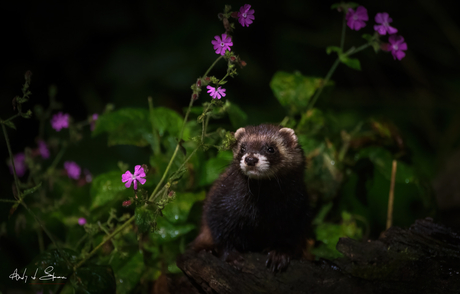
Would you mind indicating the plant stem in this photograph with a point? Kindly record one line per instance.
(324, 83)
(212, 65)
(16, 180)
(11, 118)
(56, 159)
(122, 227)
(391, 196)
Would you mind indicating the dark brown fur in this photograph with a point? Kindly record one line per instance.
(269, 213)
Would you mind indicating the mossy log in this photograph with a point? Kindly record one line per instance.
(422, 259)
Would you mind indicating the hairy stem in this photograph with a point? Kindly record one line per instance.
(122, 227)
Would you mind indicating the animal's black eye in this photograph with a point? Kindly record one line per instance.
(270, 150)
(243, 149)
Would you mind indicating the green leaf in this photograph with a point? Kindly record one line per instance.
(238, 118)
(350, 62)
(167, 232)
(333, 49)
(132, 126)
(145, 219)
(9, 124)
(311, 122)
(329, 234)
(108, 187)
(178, 210)
(61, 261)
(129, 274)
(127, 126)
(294, 91)
(368, 37)
(383, 161)
(94, 279)
(214, 167)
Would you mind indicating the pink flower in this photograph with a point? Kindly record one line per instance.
(81, 221)
(93, 121)
(73, 170)
(43, 149)
(245, 15)
(138, 176)
(19, 164)
(60, 121)
(222, 44)
(397, 46)
(356, 20)
(216, 93)
(384, 19)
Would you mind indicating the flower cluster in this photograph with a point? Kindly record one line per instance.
(356, 20)
(222, 44)
(60, 121)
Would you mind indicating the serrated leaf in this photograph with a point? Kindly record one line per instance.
(108, 187)
(214, 167)
(238, 117)
(145, 219)
(9, 124)
(178, 210)
(294, 91)
(350, 62)
(333, 49)
(95, 279)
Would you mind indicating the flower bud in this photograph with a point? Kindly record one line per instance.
(194, 96)
(198, 83)
(220, 16)
(235, 14)
(146, 168)
(127, 203)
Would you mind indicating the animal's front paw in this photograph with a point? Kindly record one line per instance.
(277, 261)
(234, 258)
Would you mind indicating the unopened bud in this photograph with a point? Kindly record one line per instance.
(207, 79)
(220, 16)
(232, 59)
(198, 83)
(171, 194)
(243, 63)
(127, 203)
(146, 168)
(235, 14)
(194, 96)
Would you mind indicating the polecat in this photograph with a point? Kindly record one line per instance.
(260, 202)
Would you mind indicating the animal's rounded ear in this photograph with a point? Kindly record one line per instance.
(239, 133)
(288, 132)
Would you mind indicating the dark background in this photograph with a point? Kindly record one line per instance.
(121, 52)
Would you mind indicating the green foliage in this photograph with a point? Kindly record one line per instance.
(294, 91)
(108, 187)
(94, 279)
(145, 219)
(132, 126)
(330, 233)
